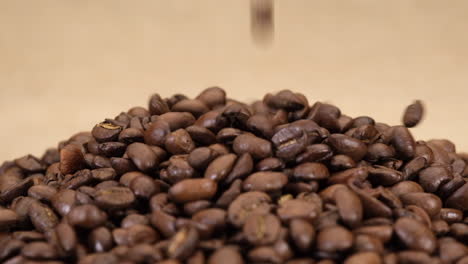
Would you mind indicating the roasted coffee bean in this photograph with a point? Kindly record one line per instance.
(334, 239)
(157, 106)
(114, 198)
(289, 142)
(193, 106)
(179, 142)
(364, 257)
(246, 204)
(257, 147)
(39, 250)
(433, 177)
(144, 187)
(415, 235)
(302, 233)
(261, 125)
(192, 189)
(42, 217)
(264, 254)
(284, 99)
(406, 187)
(349, 206)
(384, 176)
(142, 156)
(183, 243)
(349, 146)
(403, 142)
(212, 97)
(261, 229)
(219, 168)
(8, 218)
(201, 135)
(71, 159)
(368, 243)
(459, 198)
(315, 153)
(87, 216)
(230, 194)
(298, 208)
(265, 181)
(227, 255)
(429, 202)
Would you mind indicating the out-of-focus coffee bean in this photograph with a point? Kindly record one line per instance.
(264, 254)
(227, 255)
(459, 198)
(368, 243)
(192, 189)
(406, 187)
(246, 204)
(257, 147)
(265, 181)
(451, 215)
(144, 187)
(415, 235)
(212, 96)
(364, 257)
(334, 239)
(403, 142)
(413, 114)
(39, 250)
(349, 206)
(42, 217)
(302, 233)
(183, 243)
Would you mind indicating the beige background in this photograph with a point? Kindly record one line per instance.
(67, 64)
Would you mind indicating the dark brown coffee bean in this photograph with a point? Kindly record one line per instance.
(415, 235)
(114, 197)
(199, 158)
(39, 250)
(315, 153)
(368, 243)
(106, 131)
(104, 174)
(30, 164)
(284, 99)
(403, 142)
(406, 187)
(230, 194)
(42, 192)
(71, 159)
(265, 181)
(122, 166)
(66, 236)
(131, 135)
(261, 229)
(194, 207)
(349, 206)
(179, 142)
(257, 147)
(429, 202)
(289, 142)
(142, 156)
(246, 204)
(201, 135)
(433, 177)
(178, 169)
(261, 125)
(42, 217)
(459, 198)
(178, 120)
(302, 233)
(451, 215)
(183, 243)
(144, 187)
(236, 115)
(219, 168)
(413, 114)
(193, 106)
(165, 223)
(384, 176)
(325, 115)
(228, 134)
(298, 208)
(311, 171)
(227, 255)
(156, 133)
(211, 120)
(334, 239)
(80, 178)
(212, 97)
(87, 216)
(157, 105)
(242, 167)
(264, 254)
(190, 190)
(349, 146)
(270, 164)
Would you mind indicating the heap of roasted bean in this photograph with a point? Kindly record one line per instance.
(213, 180)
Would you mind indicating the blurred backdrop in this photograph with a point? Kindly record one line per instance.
(67, 64)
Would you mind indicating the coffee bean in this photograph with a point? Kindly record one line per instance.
(230, 194)
(349, 146)
(192, 189)
(257, 147)
(403, 142)
(212, 97)
(79, 178)
(246, 204)
(105, 132)
(311, 171)
(157, 106)
(302, 233)
(459, 198)
(142, 156)
(144, 187)
(201, 135)
(368, 243)
(264, 254)
(114, 197)
(8, 218)
(87, 216)
(179, 142)
(227, 255)
(42, 217)
(415, 235)
(71, 159)
(193, 106)
(429, 202)
(289, 142)
(384, 176)
(349, 206)
(177, 120)
(261, 229)
(334, 239)
(192, 208)
(13, 190)
(183, 243)
(66, 236)
(39, 250)
(298, 208)
(433, 177)
(265, 181)
(219, 168)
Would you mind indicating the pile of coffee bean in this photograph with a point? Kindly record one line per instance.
(213, 180)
